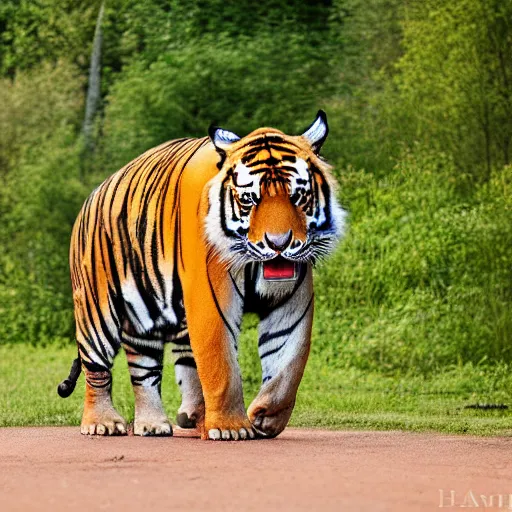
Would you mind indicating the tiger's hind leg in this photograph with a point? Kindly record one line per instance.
(145, 362)
(97, 349)
(100, 416)
(191, 411)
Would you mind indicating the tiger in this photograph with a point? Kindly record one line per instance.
(174, 248)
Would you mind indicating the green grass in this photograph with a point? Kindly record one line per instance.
(336, 399)
(352, 399)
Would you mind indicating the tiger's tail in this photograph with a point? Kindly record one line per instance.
(67, 386)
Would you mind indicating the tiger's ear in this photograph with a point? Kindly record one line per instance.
(317, 132)
(222, 139)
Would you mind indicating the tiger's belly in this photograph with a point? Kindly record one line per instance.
(150, 314)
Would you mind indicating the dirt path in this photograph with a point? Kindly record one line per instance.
(58, 469)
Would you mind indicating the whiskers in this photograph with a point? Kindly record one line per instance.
(235, 255)
(316, 249)
(241, 252)
(237, 252)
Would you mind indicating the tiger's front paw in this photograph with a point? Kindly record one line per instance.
(270, 421)
(228, 429)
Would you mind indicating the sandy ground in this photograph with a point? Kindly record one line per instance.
(59, 469)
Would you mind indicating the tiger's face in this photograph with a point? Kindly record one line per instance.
(274, 197)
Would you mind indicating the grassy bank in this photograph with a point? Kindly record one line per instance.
(337, 399)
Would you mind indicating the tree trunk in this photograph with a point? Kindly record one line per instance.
(93, 90)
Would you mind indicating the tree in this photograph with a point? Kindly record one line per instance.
(455, 74)
(93, 86)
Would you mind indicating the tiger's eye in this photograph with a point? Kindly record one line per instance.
(246, 198)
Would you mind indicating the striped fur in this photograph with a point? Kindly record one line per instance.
(170, 250)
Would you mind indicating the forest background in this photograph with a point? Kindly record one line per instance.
(419, 100)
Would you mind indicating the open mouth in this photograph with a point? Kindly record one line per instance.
(279, 269)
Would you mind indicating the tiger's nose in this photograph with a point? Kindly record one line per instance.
(278, 242)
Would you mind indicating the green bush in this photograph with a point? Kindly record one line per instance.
(421, 279)
(39, 198)
(34, 105)
(44, 197)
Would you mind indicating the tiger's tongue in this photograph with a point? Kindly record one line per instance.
(278, 269)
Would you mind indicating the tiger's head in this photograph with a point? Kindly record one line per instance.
(274, 197)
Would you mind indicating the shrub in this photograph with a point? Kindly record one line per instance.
(421, 280)
(43, 199)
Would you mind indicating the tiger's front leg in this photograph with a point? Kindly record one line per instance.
(284, 342)
(214, 308)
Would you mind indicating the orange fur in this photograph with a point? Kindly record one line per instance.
(276, 214)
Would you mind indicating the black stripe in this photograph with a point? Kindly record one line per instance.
(96, 343)
(217, 305)
(180, 350)
(105, 384)
(154, 353)
(138, 380)
(156, 367)
(93, 288)
(93, 367)
(222, 199)
(185, 340)
(239, 293)
(273, 351)
(270, 162)
(186, 361)
(266, 337)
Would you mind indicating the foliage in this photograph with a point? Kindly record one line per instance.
(366, 131)
(44, 196)
(36, 104)
(422, 278)
(39, 198)
(47, 30)
(418, 97)
(456, 71)
(189, 87)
